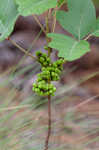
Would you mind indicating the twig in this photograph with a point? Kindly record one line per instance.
(49, 123)
(54, 20)
(61, 3)
(37, 20)
(28, 50)
(48, 30)
(86, 38)
(21, 49)
(49, 97)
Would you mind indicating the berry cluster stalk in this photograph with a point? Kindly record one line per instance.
(49, 123)
(49, 96)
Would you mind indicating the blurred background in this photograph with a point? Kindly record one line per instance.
(75, 107)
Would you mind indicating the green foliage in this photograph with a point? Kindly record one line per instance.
(29, 7)
(80, 18)
(68, 48)
(8, 16)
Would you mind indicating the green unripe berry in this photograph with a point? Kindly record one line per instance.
(50, 86)
(52, 74)
(35, 85)
(41, 93)
(48, 60)
(57, 71)
(39, 75)
(46, 48)
(44, 55)
(36, 89)
(50, 91)
(38, 53)
(54, 89)
(42, 59)
(39, 79)
(47, 93)
(55, 65)
(40, 86)
(33, 89)
(45, 63)
(43, 68)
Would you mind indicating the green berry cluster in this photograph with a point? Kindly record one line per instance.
(43, 59)
(50, 72)
(42, 88)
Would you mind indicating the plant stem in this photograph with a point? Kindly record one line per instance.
(86, 38)
(48, 30)
(21, 49)
(49, 123)
(54, 20)
(48, 17)
(38, 22)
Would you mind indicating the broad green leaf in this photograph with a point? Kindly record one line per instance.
(96, 31)
(68, 48)
(29, 7)
(8, 16)
(80, 18)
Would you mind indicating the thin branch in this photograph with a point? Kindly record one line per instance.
(21, 49)
(61, 4)
(49, 97)
(49, 13)
(49, 123)
(48, 17)
(38, 22)
(47, 23)
(35, 40)
(28, 50)
(86, 38)
(54, 22)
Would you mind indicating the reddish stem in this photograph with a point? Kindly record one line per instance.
(49, 123)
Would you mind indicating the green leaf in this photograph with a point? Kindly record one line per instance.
(96, 31)
(80, 18)
(29, 7)
(8, 16)
(68, 48)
